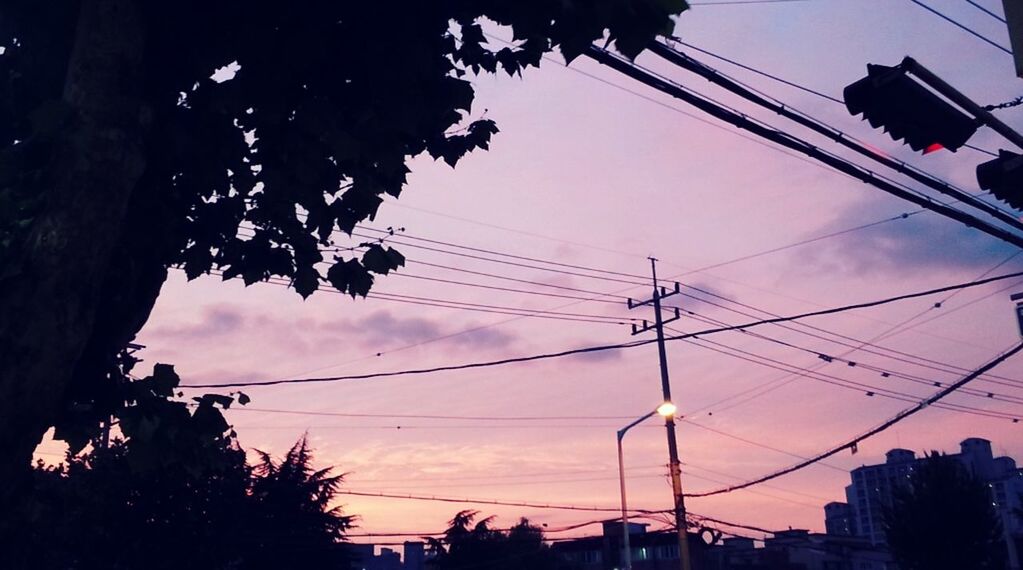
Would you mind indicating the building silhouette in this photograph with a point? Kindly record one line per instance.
(783, 550)
(871, 489)
(364, 557)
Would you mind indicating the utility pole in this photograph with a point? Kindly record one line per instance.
(669, 420)
(1014, 21)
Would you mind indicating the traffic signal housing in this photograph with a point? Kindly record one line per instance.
(905, 109)
(1003, 176)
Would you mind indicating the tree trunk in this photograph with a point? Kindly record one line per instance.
(48, 306)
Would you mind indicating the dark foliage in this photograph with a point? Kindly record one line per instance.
(469, 544)
(253, 177)
(100, 511)
(944, 520)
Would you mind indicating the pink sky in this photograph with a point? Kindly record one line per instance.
(586, 174)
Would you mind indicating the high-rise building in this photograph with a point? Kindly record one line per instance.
(414, 557)
(870, 493)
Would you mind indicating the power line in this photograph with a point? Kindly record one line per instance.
(601, 348)
(756, 443)
(986, 11)
(490, 418)
(902, 216)
(883, 371)
(714, 76)
(741, 258)
(903, 326)
(787, 82)
(639, 277)
(443, 533)
(887, 424)
(961, 26)
(909, 358)
(526, 281)
(709, 293)
(503, 289)
(473, 307)
(676, 110)
(508, 255)
(682, 418)
(846, 383)
(978, 149)
(491, 308)
(788, 140)
(539, 505)
(523, 265)
(759, 72)
(577, 299)
(503, 503)
(431, 416)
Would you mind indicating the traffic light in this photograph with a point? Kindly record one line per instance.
(1003, 176)
(905, 109)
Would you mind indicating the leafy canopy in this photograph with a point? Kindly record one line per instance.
(944, 520)
(469, 543)
(269, 131)
(99, 511)
(328, 101)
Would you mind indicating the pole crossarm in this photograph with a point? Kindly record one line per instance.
(660, 293)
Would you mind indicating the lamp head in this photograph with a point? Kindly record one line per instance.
(667, 409)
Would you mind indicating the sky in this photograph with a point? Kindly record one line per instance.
(594, 170)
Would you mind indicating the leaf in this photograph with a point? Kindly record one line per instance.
(306, 281)
(382, 261)
(164, 380)
(397, 259)
(350, 277)
(209, 421)
(210, 399)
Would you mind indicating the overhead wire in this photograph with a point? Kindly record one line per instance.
(884, 372)
(904, 324)
(962, 26)
(788, 82)
(763, 100)
(863, 388)
(783, 138)
(901, 416)
(985, 10)
(591, 269)
(617, 346)
(860, 345)
(886, 352)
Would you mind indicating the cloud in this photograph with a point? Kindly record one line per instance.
(216, 320)
(381, 329)
(920, 242)
(596, 357)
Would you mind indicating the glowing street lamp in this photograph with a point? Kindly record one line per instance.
(664, 410)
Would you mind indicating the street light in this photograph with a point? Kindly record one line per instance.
(666, 409)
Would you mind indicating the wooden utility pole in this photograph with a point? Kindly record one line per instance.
(669, 420)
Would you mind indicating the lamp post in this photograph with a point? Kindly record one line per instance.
(666, 409)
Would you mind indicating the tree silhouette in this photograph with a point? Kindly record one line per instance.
(294, 524)
(475, 545)
(121, 156)
(944, 520)
(99, 511)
